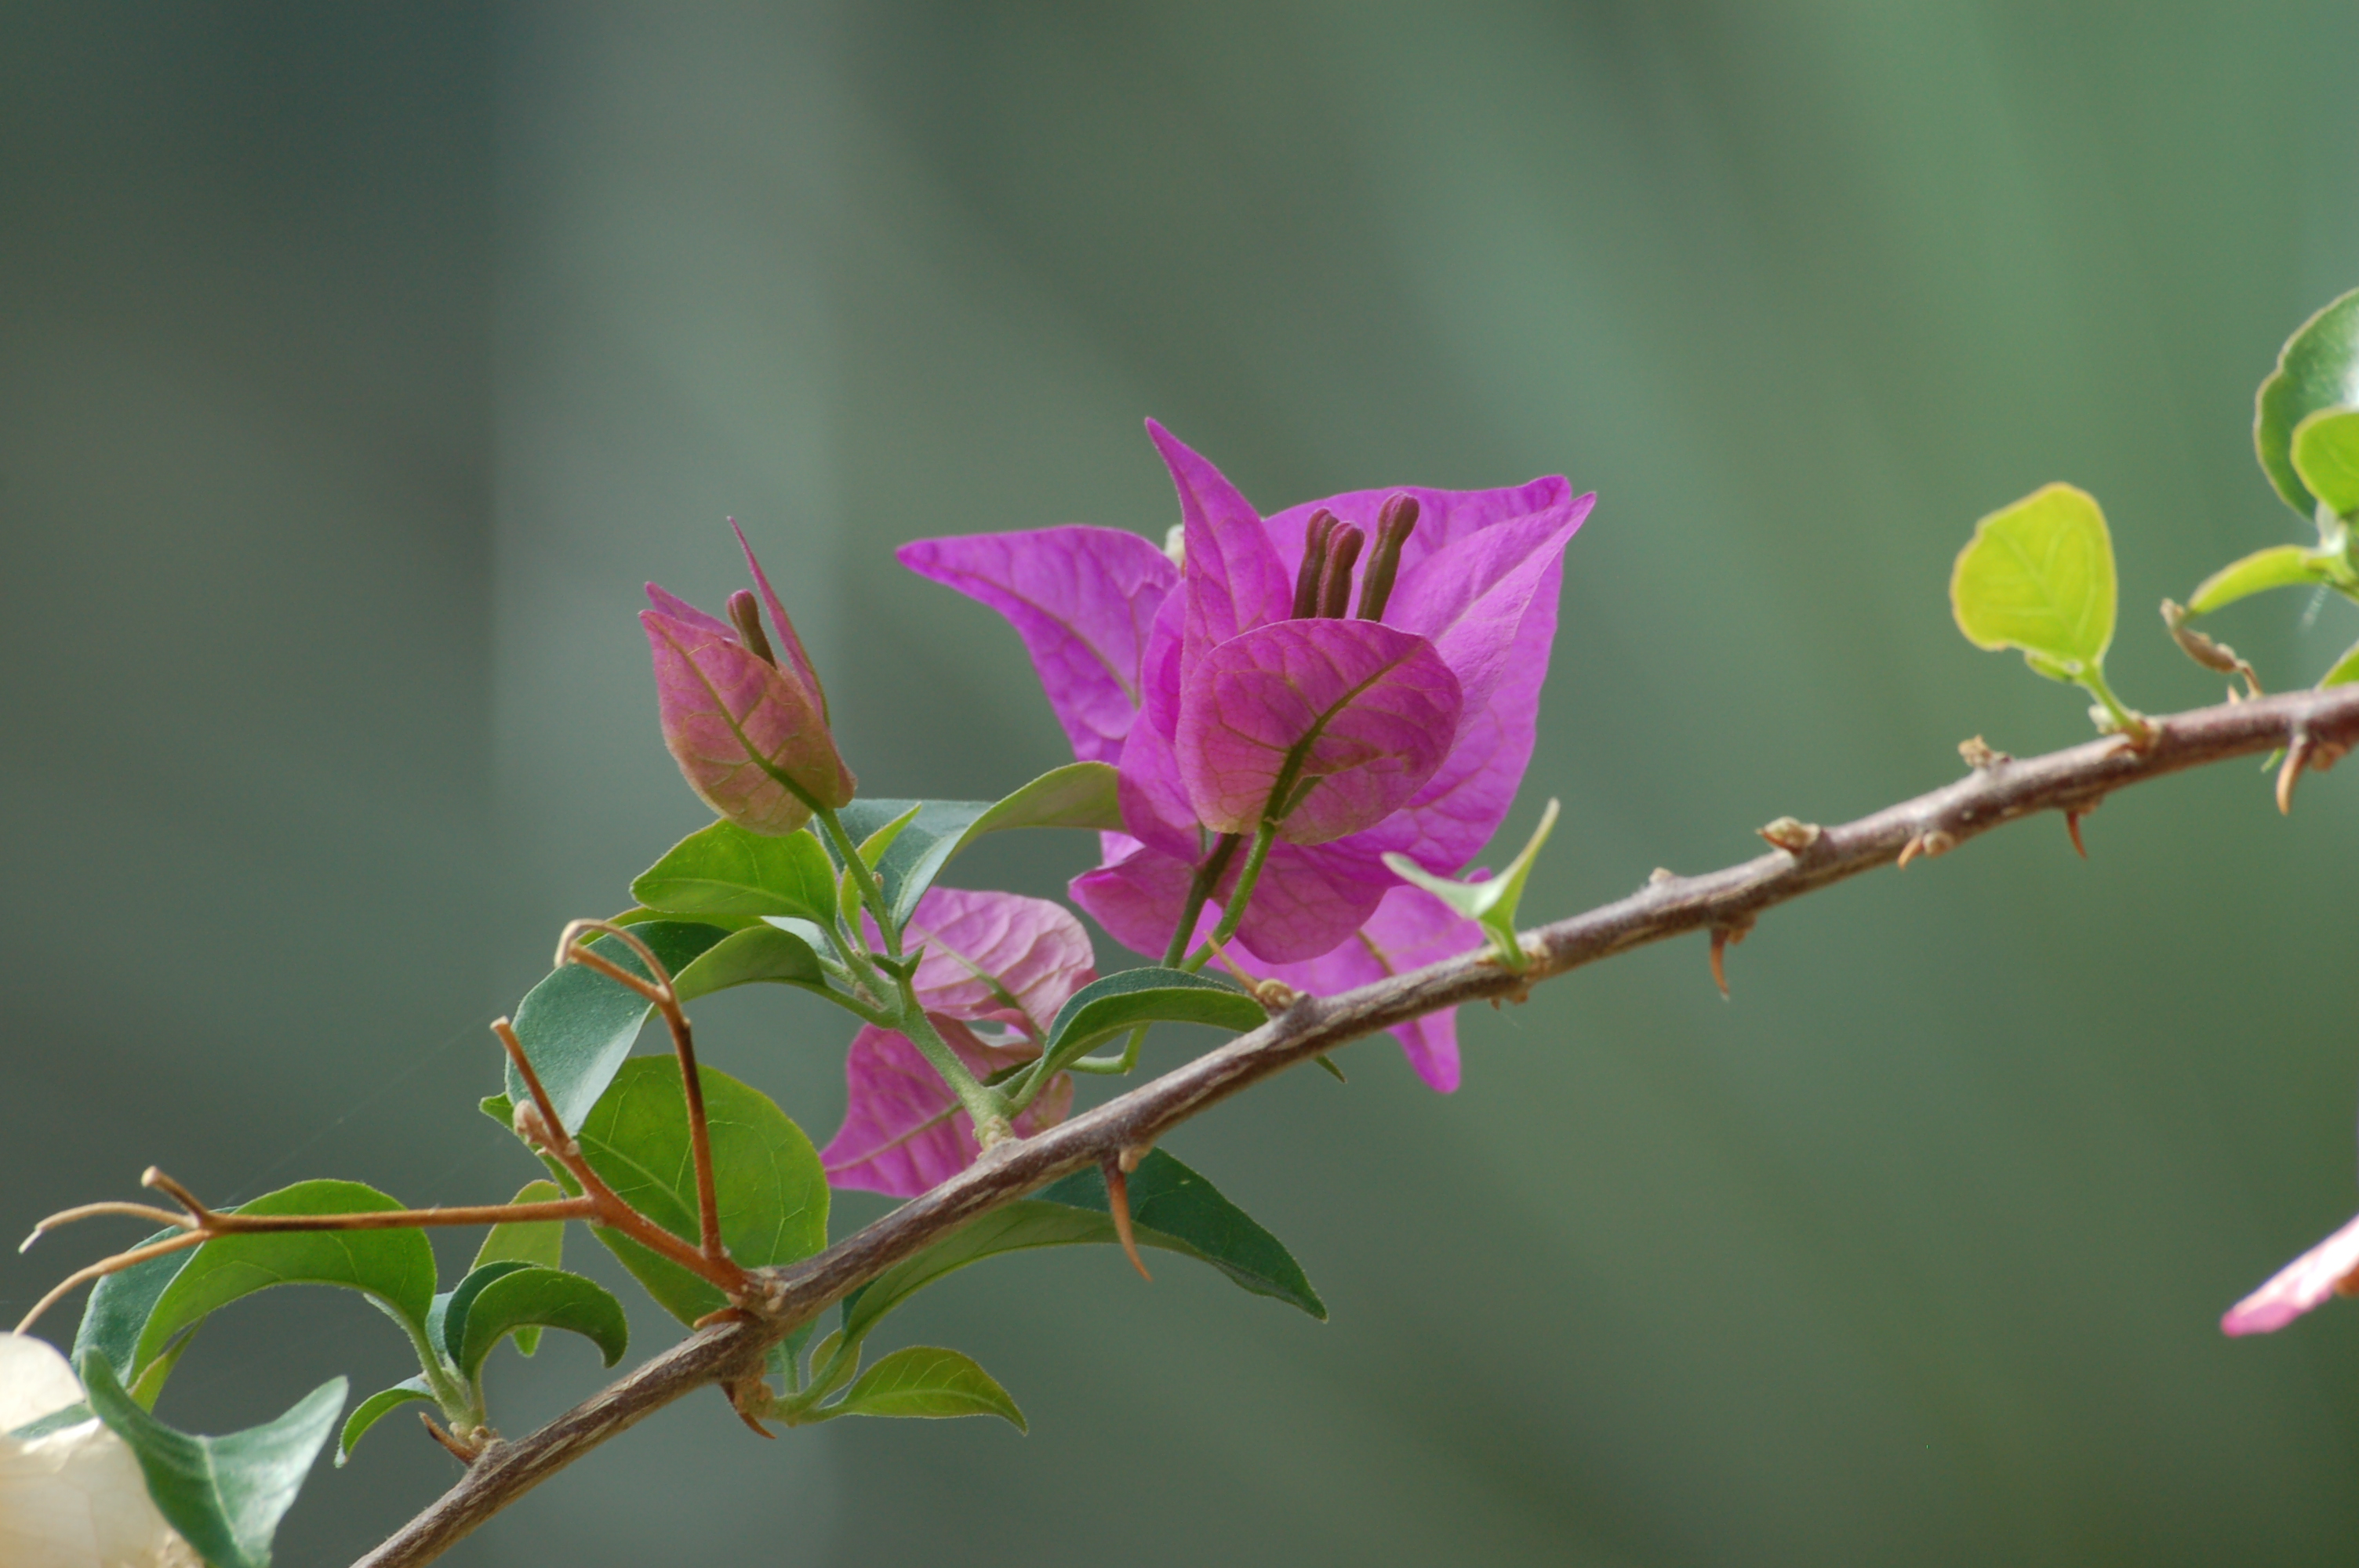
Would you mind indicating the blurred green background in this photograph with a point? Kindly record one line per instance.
(358, 362)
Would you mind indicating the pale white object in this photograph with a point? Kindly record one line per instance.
(73, 1499)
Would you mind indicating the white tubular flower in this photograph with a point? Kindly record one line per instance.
(73, 1498)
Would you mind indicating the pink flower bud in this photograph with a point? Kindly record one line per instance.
(742, 714)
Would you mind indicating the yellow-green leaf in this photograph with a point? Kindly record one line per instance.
(2326, 456)
(2038, 575)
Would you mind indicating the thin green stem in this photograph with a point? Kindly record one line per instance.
(987, 1108)
(1200, 893)
(1234, 910)
(2127, 722)
(872, 891)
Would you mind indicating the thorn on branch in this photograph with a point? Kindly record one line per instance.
(1723, 938)
(1931, 843)
(2072, 814)
(466, 1449)
(1117, 1182)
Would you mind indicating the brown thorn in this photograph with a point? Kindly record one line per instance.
(1910, 851)
(463, 1452)
(1119, 1205)
(1719, 960)
(2296, 759)
(2072, 826)
(747, 1395)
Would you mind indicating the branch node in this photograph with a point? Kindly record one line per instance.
(1978, 755)
(1791, 835)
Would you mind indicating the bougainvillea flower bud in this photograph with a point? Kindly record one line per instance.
(995, 958)
(2329, 1268)
(73, 1498)
(744, 714)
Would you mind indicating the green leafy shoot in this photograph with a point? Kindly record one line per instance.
(726, 870)
(924, 1381)
(2325, 453)
(2039, 576)
(522, 1296)
(1492, 902)
(872, 850)
(578, 1026)
(2279, 565)
(540, 1241)
(1079, 795)
(2318, 368)
(374, 1409)
(1149, 994)
(225, 1494)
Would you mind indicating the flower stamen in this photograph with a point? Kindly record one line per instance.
(746, 616)
(1394, 525)
(1314, 561)
(1335, 579)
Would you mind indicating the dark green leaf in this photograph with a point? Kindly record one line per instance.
(1079, 795)
(540, 1241)
(773, 1192)
(73, 1414)
(1171, 1207)
(537, 1298)
(225, 1494)
(577, 1025)
(447, 1323)
(725, 870)
(758, 953)
(1150, 994)
(395, 1268)
(116, 1314)
(374, 1409)
(926, 1380)
(2318, 368)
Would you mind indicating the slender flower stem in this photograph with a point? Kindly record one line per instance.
(987, 1108)
(1200, 893)
(1233, 912)
(872, 891)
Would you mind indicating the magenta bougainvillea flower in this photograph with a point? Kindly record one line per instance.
(744, 717)
(2329, 1268)
(994, 959)
(1366, 669)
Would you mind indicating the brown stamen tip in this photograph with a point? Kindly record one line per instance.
(1394, 521)
(1336, 583)
(746, 616)
(1118, 1204)
(1314, 561)
(2072, 826)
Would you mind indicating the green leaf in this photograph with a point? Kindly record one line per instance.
(116, 1314)
(1079, 795)
(393, 1268)
(448, 1321)
(2279, 565)
(871, 849)
(528, 1297)
(773, 1192)
(2345, 670)
(2318, 368)
(726, 871)
(1492, 904)
(225, 1494)
(577, 1026)
(1149, 994)
(2038, 575)
(540, 1241)
(1171, 1207)
(926, 1380)
(2325, 452)
(374, 1409)
(760, 953)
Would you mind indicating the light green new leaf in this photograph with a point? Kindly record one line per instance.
(528, 1297)
(393, 1268)
(1149, 994)
(2345, 670)
(1490, 903)
(1079, 795)
(725, 870)
(374, 1409)
(1172, 1209)
(2325, 452)
(577, 1026)
(773, 1192)
(926, 1380)
(2279, 565)
(225, 1494)
(2318, 368)
(2038, 575)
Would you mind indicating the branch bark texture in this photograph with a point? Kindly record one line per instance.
(2316, 727)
